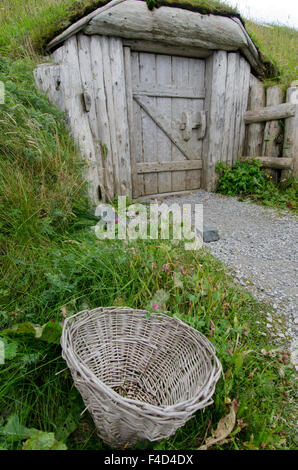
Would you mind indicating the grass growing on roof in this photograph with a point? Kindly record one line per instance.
(26, 27)
(280, 44)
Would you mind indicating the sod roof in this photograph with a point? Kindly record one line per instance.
(204, 7)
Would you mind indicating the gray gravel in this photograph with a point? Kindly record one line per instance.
(261, 247)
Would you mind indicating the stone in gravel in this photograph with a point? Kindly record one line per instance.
(210, 234)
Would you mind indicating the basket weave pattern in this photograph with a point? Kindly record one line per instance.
(141, 377)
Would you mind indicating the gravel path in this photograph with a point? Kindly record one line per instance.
(261, 246)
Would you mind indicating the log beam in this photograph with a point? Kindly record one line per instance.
(273, 162)
(167, 27)
(270, 113)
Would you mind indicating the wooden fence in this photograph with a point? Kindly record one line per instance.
(272, 129)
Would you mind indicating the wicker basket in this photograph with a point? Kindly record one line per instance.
(141, 376)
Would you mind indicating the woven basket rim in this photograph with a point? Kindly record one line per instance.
(180, 408)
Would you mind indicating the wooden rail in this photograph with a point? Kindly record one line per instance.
(264, 133)
(270, 113)
(169, 166)
(273, 162)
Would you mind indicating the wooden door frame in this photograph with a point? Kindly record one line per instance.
(191, 162)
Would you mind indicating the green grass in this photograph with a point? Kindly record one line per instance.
(280, 44)
(41, 180)
(82, 270)
(248, 180)
(50, 263)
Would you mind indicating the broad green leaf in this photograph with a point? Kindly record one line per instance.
(10, 349)
(50, 332)
(14, 430)
(40, 440)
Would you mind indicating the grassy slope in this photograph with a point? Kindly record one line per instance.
(280, 44)
(49, 260)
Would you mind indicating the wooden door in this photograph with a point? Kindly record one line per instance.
(167, 121)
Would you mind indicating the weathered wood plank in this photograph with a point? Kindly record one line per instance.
(48, 80)
(290, 149)
(244, 93)
(274, 96)
(77, 117)
(270, 113)
(271, 147)
(169, 91)
(87, 79)
(238, 93)
(215, 100)
(164, 106)
(168, 49)
(58, 55)
(129, 98)
(121, 120)
(255, 131)
(108, 86)
(180, 73)
(169, 166)
(148, 75)
(274, 162)
(102, 114)
(66, 92)
(137, 115)
(208, 88)
(230, 107)
(196, 78)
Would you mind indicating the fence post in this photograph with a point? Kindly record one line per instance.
(271, 147)
(255, 131)
(290, 149)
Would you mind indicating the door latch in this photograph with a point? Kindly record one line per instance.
(192, 121)
(87, 101)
